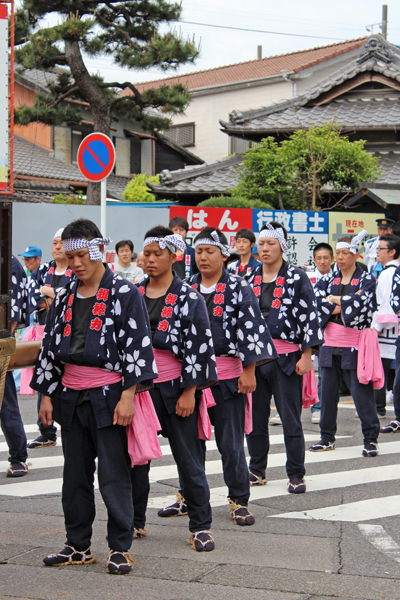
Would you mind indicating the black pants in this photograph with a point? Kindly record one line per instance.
(11, 422)
(287, 392)
(228, 419)
(183, 436)
(49, 431)
(363, 396)
(140, 493)
(396, 387)
(81, 445)
(380, 395)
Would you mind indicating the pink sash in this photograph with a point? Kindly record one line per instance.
(169, 367)
(309, 384)
(229, 367)
(369, 363)
(35, 332)
(142, 432)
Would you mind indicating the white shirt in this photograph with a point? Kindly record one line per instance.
(385, 321)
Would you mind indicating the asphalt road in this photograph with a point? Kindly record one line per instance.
(340, 540)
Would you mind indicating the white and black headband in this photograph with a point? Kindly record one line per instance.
(271, 232)
(172, 242)
(355, 242)
(214, 242)
(93, 245)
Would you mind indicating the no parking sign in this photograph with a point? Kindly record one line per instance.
(96, 156)
(96, 160)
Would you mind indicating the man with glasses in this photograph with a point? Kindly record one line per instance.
(385, 321)
(32, 257)
(385, 226)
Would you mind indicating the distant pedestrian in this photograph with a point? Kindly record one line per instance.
(32, 257)
(125, 267)
(185, 265)
(245, 242)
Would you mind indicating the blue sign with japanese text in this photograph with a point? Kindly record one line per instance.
(294, 221)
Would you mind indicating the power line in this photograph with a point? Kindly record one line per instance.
(320, 37)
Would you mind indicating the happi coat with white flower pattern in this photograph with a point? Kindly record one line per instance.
(184, 330)
(356, 309)
(395, 297)
(238, 327)
(19, 294)
(118, 340)
(41, 276)
(293, 316)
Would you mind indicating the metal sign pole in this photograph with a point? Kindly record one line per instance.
(103, 217)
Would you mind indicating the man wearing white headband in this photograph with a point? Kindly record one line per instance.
(96, 355)
(346, 303)
(44, 284)
(288, 304)
(184, 355)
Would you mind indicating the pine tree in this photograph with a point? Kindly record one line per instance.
(126, 31)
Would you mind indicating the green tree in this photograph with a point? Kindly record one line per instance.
(230, 202)
(137, 190)
(292, 174)
(126, 31)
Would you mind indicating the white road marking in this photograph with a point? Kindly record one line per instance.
(363, 510)
(315, 483)
(380, 539)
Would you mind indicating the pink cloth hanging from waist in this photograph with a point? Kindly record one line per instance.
(142, 433)
(229, 367)
(35, 332)
(369, 363)
(169, 367)
(309, 383)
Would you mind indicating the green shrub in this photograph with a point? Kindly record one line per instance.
(66, 199)
(229, 202)
(137, 190)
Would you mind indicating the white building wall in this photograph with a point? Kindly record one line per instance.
(206, 111)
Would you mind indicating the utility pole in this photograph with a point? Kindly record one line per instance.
(259, 52)
(384, 20)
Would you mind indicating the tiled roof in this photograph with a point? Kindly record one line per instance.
(376, 55)
(358, 113)
(212, 178)
(36, 77)
(254, 69)
(34, 162)
(390, 164)
(220, 177)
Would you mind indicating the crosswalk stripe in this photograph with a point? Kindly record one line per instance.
(382, 540)
(363, 510)
(275, 488)
(213, 467)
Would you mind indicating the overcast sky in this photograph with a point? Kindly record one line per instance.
(331, 21)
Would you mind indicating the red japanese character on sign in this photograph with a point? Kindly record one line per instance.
(194, 286)
(96, 324)
(68, 273)
(70, 300)
(68, 315)
(166, 312)
(67, 330)
(257, 291)
(51, 271)
(354, 282)
(336, 281)
(276, 304)
(99, 309)
(142, 290)
(171, 299)
(218, 299)
(163, 325)
(361, 224)
(220, 287)
(354, 223)
(218, 311)
(280, 281)
(102, 294)
(257, 280)
(348, 223)
(278, 292)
